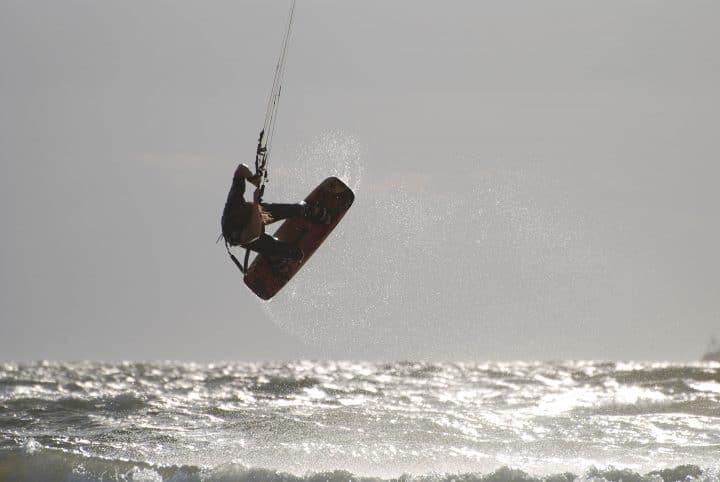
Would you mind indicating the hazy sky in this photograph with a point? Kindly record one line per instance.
(535, 180)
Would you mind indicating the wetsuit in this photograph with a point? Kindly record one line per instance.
(237, 214)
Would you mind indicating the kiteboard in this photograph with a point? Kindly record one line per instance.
(266, 277)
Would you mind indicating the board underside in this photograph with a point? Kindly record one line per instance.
(332, 194)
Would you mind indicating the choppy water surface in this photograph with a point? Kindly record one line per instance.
(346, 420)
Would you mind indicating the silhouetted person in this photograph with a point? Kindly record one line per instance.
(243, 223)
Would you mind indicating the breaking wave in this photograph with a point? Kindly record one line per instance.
(343, 420)
(43, 465)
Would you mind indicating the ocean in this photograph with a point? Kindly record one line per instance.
(342, 421)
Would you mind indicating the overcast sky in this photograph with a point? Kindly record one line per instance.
(534, 180)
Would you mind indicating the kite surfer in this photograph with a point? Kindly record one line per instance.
(243, 222)
(309, 222)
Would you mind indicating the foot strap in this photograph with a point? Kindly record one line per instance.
(317, 214)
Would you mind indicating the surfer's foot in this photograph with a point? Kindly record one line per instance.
(280, 267)
(296, 254)
(317, 214)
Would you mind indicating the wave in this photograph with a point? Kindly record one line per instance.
(121, 403)
(284, 385)
(32, 464)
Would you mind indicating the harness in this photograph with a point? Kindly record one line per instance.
(242, 267)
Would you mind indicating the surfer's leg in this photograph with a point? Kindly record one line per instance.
(273, 248)
(280, 211)
(312, 212)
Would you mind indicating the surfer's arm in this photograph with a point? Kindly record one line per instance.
(255, 180)
(245, 173)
